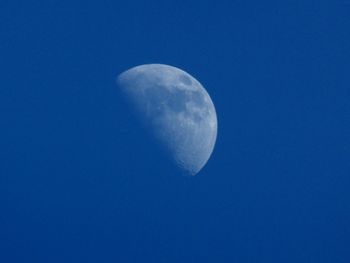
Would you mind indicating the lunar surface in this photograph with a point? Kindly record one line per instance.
(176, 108)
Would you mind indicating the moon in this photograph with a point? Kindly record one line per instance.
(177, 109)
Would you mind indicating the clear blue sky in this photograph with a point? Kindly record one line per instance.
(79, 182)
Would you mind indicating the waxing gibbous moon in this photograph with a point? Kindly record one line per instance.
(176, 108)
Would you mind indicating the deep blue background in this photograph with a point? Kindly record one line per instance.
(79, 182)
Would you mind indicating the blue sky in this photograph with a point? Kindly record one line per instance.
(79, 180)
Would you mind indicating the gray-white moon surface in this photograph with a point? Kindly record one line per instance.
(176, 108)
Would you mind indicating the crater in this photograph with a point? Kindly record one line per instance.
(185, 79)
